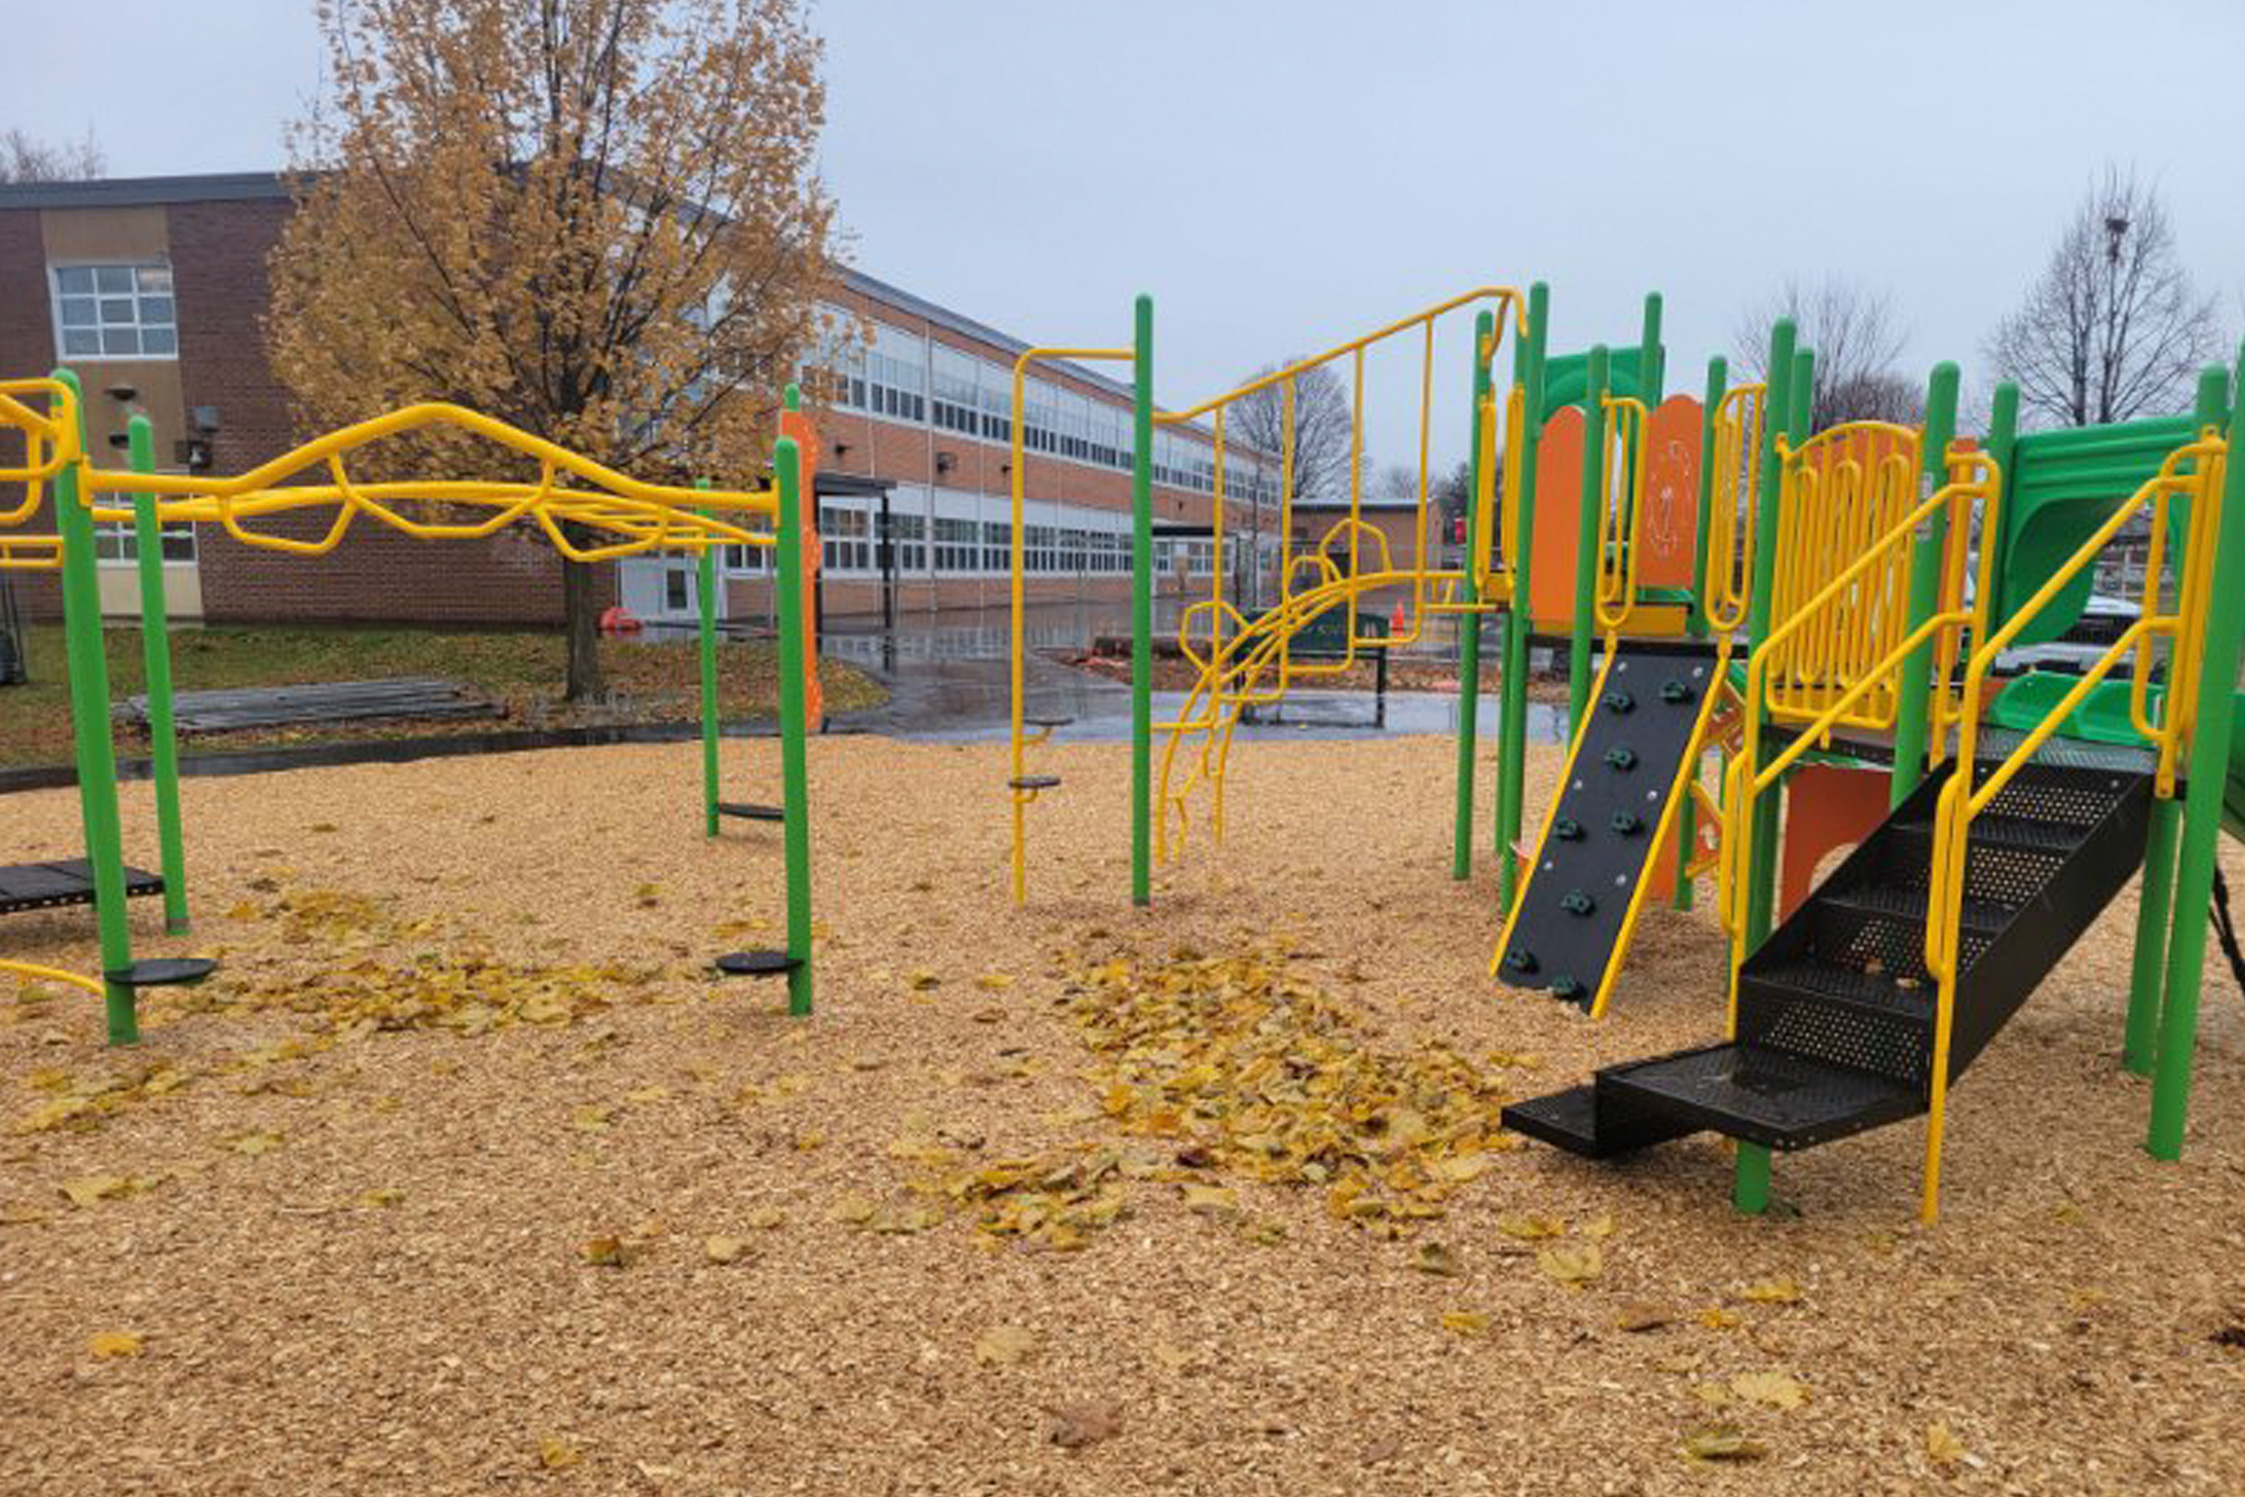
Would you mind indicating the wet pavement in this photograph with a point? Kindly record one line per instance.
(950, 682)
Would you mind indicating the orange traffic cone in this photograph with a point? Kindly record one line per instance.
(1396, 622)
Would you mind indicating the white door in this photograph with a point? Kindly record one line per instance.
(665, 587)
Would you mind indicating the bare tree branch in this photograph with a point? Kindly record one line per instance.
(2113, 328)
(1858, 344)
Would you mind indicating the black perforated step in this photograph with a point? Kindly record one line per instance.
(41, 886)
(1582, 1122)
(1764, 1096)
(748, 811)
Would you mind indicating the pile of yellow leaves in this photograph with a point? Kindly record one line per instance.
(382, 972)
(1244, 1066)
(1054, 1200)
(81, 1102)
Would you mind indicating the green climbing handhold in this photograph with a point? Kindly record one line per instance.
(1622, 757)
(1575, 902)
(1567, 988)
(1520, 960)
(1567, 829)
(1674, 692)
(1618, 700)
(1628, 823)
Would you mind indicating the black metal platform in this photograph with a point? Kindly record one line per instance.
(46, 886)
(1763, 1095)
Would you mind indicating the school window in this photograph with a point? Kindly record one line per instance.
(997, 546)
(115, 312)
(845, 537)
(955, 549)
(119, 541)
(909, 534)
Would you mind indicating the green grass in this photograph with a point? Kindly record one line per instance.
(523, 669)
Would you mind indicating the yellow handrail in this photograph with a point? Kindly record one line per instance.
(1734, 494)
(1621, 474)
(1748, 777)
(1961, 800)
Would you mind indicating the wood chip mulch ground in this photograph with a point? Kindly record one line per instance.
(464, 1177)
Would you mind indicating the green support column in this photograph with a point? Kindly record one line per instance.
(1913, 705)
(155, 650)
(1718, 384)
(89, 725)
(2155, 902)
(1586, 539)
(787, 468)
(705, 583)
(2202, 809)
(1519, 622)
(1750, 1182)
(1469, 624)
(1142, 609)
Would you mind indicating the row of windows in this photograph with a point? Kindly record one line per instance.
(904, 377)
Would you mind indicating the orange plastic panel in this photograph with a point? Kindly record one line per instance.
(1826, 806)
(797, 425)
(1671, 523)
(1551, 578)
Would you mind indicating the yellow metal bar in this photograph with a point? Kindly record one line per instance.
(31, 973)
(1020, 797)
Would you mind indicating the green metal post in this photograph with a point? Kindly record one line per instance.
(1913, 705)
(89, 725)
(1652, 359)
(1750, 1181)
(1519, 621)
(1469, 624)
(1586, 539)
(155, 651)
(1142, 609)
(705, 582)
(787, 468)
(2202, 807)
(2155, 898)
(2003, 442)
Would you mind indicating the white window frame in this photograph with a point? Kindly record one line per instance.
(55, 300)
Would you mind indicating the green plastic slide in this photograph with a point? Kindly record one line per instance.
(2102, 717)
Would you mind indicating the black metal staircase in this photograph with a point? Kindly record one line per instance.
(1836, 1010)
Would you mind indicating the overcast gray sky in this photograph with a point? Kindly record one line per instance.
(1284, 175)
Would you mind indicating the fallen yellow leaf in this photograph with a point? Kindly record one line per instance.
(1943, 1446)
(1465, 1322)
(1777, 1389)
(557, 1455)
(724, 1249)
(1004, 1345)
(1771, 1292)
(1721, 1442)
(113, 1344)
(1572, 1266)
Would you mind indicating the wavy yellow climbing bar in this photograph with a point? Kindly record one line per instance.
(570, 490)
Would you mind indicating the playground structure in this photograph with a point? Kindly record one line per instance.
(588, 512)
(1825, 614)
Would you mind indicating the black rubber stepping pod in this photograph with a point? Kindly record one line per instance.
(756, 963)
(163, 972)
(1676, 693)
(748, 811)
(1617, 700)
(1034, 782)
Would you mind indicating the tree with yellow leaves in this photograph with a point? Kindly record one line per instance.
(599, 220)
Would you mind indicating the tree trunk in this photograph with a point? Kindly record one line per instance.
(580, 611)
